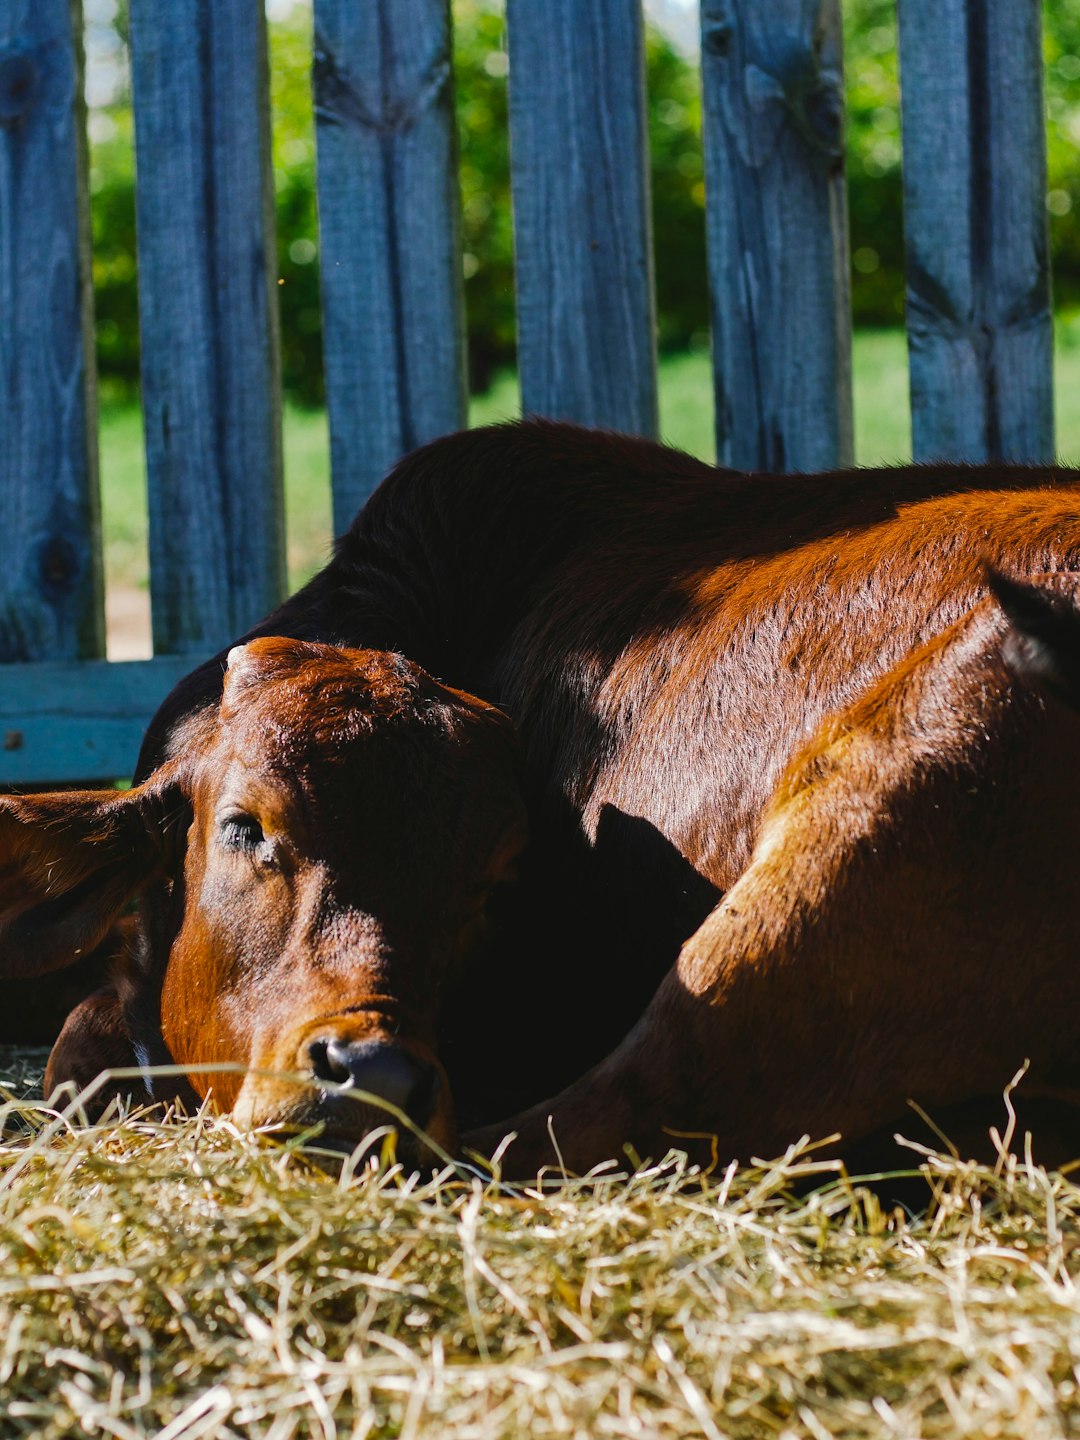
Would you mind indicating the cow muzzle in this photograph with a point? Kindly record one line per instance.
(353, 1085)
(379, 1068)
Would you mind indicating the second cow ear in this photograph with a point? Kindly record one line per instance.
(69, 863)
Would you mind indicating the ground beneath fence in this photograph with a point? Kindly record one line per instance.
(127, 623)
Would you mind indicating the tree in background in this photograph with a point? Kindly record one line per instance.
(112, 195)
(678, 188)
(875, 189)
(1061, 48)
(677, 174)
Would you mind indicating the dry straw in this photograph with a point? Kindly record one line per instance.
(190, 1282)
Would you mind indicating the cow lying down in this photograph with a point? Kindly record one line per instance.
(590, 782)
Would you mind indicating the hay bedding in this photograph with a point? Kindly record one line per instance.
(187, 1281)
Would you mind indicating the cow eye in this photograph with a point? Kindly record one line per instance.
(240, 832)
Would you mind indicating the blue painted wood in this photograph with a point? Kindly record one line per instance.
(80, 720)
(979, 318)
(776, 215)
(389, 235)
(50, 570)
(208, 305)
(586, 320)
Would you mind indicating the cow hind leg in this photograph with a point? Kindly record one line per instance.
(904, 931)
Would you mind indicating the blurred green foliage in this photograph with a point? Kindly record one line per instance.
(875, 203)
(297, 217)
(874, 181)
(873, 158)
(487, 234)
(1061, 49)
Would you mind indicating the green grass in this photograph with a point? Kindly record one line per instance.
(1067, 387)
(123, 493)
(882, 435)
(308, 523)
(880, 384)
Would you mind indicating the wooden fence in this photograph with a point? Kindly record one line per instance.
(978, 287)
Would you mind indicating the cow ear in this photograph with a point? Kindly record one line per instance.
(71, 861)
(94, 1038)
(1044, 642)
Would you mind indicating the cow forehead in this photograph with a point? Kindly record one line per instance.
(336, 693)
(327, 718)
(326, 686)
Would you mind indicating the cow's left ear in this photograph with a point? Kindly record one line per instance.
(1045, 639)
(70, 862)
(94, 1038)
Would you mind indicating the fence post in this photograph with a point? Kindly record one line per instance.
(586, 319)
(776, 222)
(393, 310)
(980, 337)
(208, 309)
(50, 548)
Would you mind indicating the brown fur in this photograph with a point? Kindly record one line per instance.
(722, 685)
(905, 929)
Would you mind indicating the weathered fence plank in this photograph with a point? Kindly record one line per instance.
(81, 720)
(776, 213)
(50, 571)
(209, 315)
(393, 314)
(978, 288)
(978, 277)
(586, 322)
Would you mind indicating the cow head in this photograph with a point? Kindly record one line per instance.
(315, 856)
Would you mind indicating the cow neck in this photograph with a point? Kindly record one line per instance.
(478, 533)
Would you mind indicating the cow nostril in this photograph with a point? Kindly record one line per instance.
(387, 1071)
(327, 1066)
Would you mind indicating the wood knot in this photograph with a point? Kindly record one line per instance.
(800, 97)
(716, 37)
(823, 114)
(59, 566)
(341, 100)
(20, 85)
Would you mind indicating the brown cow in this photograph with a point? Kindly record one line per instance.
(764, 719)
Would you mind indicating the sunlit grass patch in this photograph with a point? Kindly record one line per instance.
(189, 1280)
